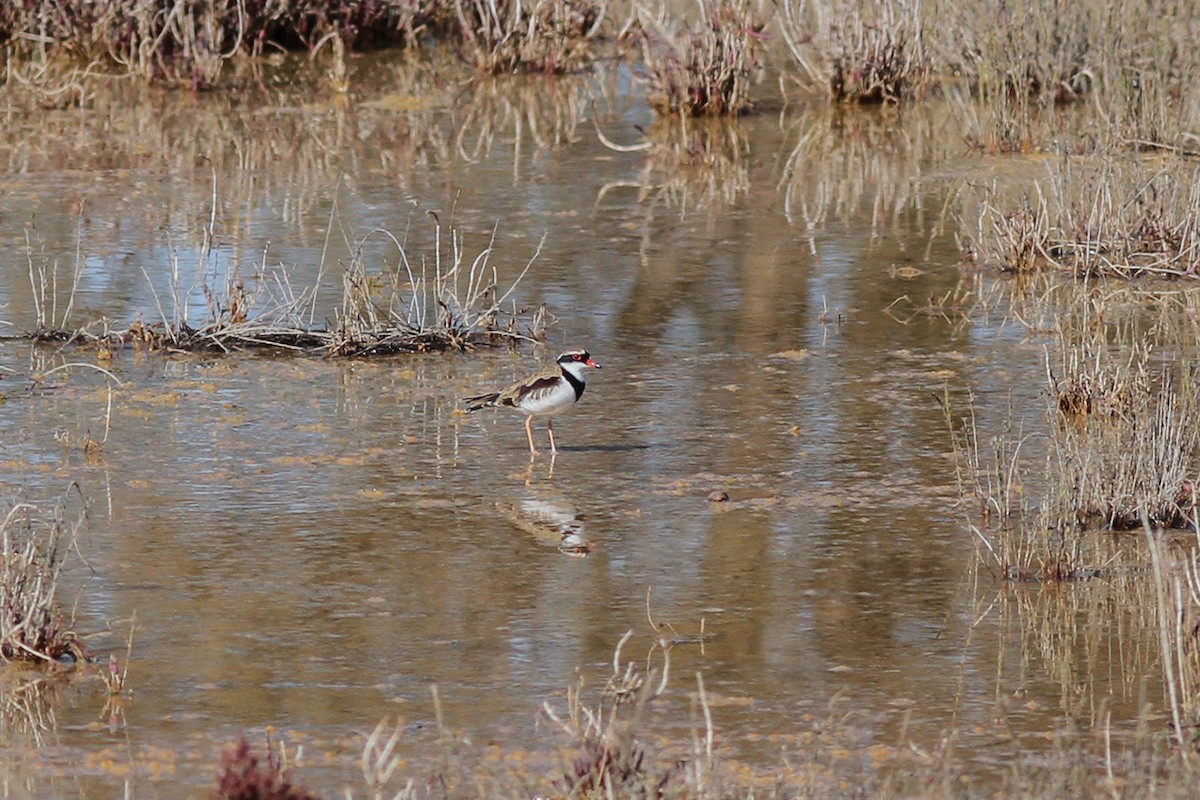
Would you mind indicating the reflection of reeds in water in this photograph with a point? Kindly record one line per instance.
(284, 154)
(279, 153)
(849, 162)
(689, 164)
(27, 707)
(1090, 639)
(534, 114)
(1135, 615)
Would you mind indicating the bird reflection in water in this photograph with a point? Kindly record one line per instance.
(553, 520)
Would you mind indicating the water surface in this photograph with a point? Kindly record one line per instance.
(311, 544)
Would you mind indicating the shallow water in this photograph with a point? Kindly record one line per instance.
(310, 544)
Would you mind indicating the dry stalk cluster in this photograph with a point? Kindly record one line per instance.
(610, 758)
(1125, 446)
(1016, 239)
(1130, 60)
(1118, 447)
(451, 300)
(35, 545)
(611, 761)
(861, 51)
(554, 36)
(447, 299)
(701, 69)
(188, 42)
(1110, 216)
(1045, 50)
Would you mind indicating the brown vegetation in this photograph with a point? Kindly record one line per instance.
(1121, 449)
(1112, 215)
(189, 42)
(859, 51)
(244, 777)
(35, 546)
(702, 68)
(612, 749)
(555, 36)
(443, 300)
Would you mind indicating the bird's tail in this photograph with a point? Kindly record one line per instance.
(481, 401)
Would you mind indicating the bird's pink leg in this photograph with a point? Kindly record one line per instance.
(550, 427)
(529, 433)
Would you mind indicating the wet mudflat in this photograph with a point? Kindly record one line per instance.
(311, 543)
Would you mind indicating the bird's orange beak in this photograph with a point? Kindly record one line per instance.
(591, 362)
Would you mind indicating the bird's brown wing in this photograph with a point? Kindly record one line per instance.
(531, 388)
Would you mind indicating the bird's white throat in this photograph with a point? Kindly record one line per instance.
(578, 370)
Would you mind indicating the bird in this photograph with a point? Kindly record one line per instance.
(545, 393)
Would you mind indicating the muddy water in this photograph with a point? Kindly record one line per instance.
(311, 544)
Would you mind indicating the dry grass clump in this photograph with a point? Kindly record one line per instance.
(1129, 60)
(611, 759)
(1112, 216)
(1125, 447)
(859, 51)
(188, 42)
(702, 69)
(446, 299)
(1118, 446)
(35, 546)
(1043, 50)
(1015, 240)
(554, 36)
